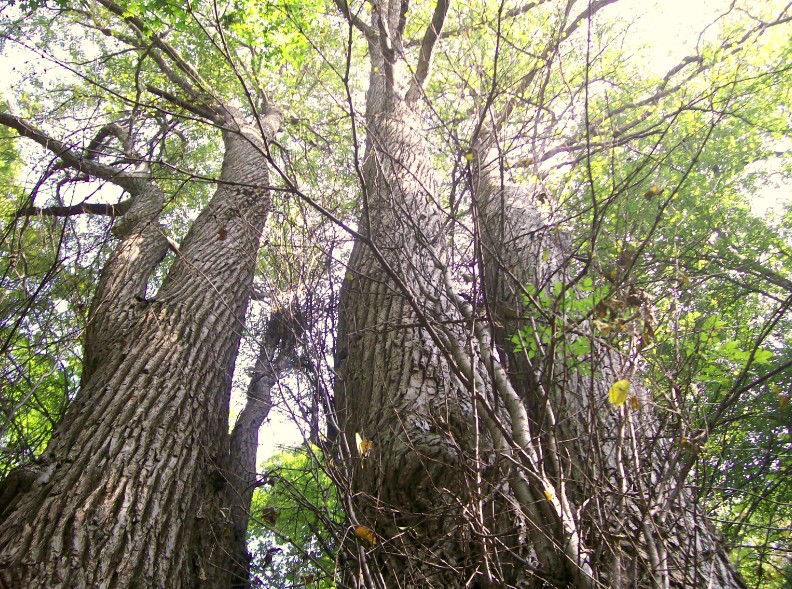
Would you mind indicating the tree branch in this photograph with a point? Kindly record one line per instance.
(196, 109)
(68, 156)
(108, 210)
(511, 13)
(427, 46)
(158, 42)
(355, 20)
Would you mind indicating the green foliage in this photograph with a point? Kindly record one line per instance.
(567, 308)
(42, 307)
(299, 512)
(714, 272)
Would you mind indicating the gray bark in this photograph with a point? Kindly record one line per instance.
(131, 491)
(431, 484)
(276, 356)
(487, 469)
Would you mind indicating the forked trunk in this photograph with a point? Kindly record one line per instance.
(131, 491)
(480, 467)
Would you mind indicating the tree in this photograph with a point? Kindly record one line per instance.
(151, 416)
(469, 430)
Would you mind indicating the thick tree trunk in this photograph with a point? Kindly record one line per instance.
(646, 525)
(394, 385)
(431, 486)
(131, 490)
(487, 468)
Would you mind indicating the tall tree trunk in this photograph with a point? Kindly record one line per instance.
(472, 478)
(276, 355)
(431, 485)
(130, 491)
(643, 521)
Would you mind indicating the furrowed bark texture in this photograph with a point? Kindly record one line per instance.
(645, 533)
(131, 490)
(430, 486)
(123, 280)
(489, 469)
(394, 386)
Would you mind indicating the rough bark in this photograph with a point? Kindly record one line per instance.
(276, 355)
(131, 490)
(647, 527)
(430, 486)
(487, 468)
(394, 385)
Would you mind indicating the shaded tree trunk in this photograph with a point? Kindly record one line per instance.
(487, 469)
(276, 355)
(646, 526)
(131, 491)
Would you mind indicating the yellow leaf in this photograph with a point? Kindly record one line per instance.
(653, 191)
(469, 157)
(549, 494)
(363, 445)
(364, 533)
(783, 398)
(619, 391)
(602, 326)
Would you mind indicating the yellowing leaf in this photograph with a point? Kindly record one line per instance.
(363, 445)
(602, 326)
(549, 494)
(469, 157)
(653, 191)
(366, 534)
(783, 398)
(619, 391)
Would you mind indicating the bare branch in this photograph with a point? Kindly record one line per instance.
(427, 46)
(108, 210)
(355, 20)
(458, 31)
(551, 48)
